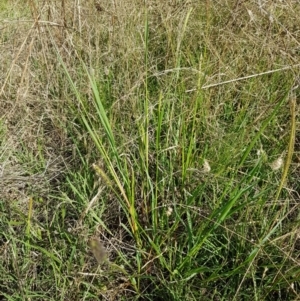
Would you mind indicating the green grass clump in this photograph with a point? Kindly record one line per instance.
(149, 152)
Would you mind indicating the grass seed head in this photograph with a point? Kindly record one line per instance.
(277, 164)
(206, 166)
(98, 249)
(169, 211)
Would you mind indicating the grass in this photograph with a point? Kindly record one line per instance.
(137, 151)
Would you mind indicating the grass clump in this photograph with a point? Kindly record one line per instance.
(137, 152)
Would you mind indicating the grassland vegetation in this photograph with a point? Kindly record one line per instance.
(149, 150)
